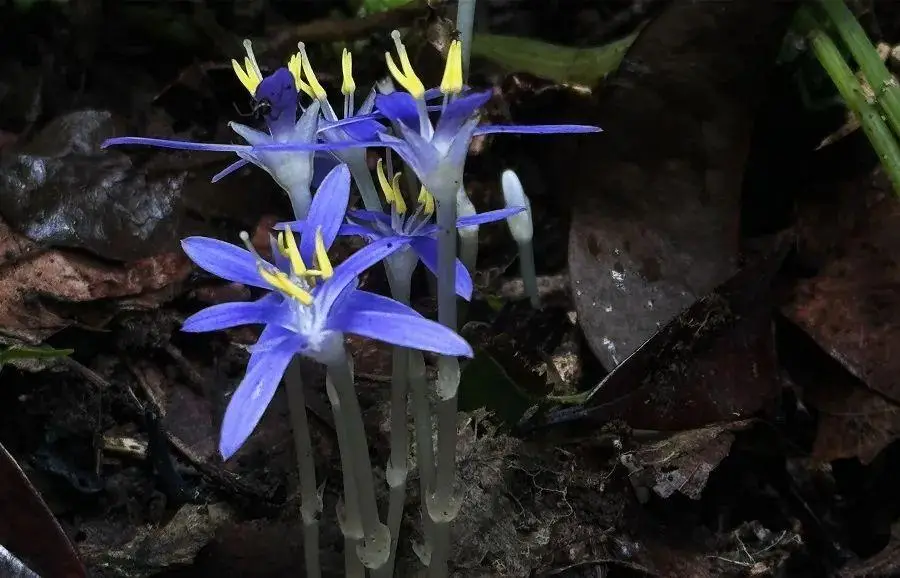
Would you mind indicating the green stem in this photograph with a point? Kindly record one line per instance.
(376, 547)
(848, 86)
(529, 274)
(348, 516)
(310, 501)
(885, 87)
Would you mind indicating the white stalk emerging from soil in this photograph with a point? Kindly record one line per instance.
(310, 499)
(441, 503)
(348, 510)
(522, 230)
(398, 464)
(376, 547)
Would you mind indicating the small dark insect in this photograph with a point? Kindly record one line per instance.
(259, 109)
(262, 108)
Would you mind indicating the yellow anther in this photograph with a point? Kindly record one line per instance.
(399, 203)
(383, 181)
(317, 90)
(280, 281)
(426, 199)
(249, 74)
(405, 75)
(391, 189)
(325, 268)
(452, 82)
(293, 252)
(348, 86)
(296, 70)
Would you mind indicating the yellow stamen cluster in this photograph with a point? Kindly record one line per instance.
(287, 246)
(296, 69)
(404, 75)
(391, 189)
(249, 74)
(317, 91)
(348, 86)
(426, 199)
(452, 81)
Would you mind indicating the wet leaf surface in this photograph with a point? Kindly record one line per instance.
(852, 307)
(655, 218)
(715, 361)
(29, 530)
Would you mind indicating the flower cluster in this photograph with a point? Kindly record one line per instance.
(309, 304)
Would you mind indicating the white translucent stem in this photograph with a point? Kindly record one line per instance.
(398, 466)
(348, 516)
(375, 550)
(359, 170)
(529, 274)
(465, 24)
(442, 505)
(310, 502)
(424, 429)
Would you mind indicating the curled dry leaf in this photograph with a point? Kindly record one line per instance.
(852, 307)
(40, 288)
(683, 461)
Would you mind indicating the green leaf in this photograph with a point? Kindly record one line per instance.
(27, 352)
(558, 63)
(484, 383)
(373, 6)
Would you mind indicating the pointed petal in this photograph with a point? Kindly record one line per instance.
(255, 392)
(457, 113)
(426, 249)
(399, 107)
(536, 129)
(224, 260)
(406, 152)
(323, 162)
(250, 134)
(173, 144)
(347, 272)
(349, 229)
(397, 324)
(227, 315)
(369, 216)
(329, 205)
(235, 166)
(359, 300)
(305, 129)
(368, 104)
(487, 217)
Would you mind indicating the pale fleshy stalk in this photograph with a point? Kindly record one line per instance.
(347, 509)
(442, 503)
(465, 24)
(522, 229)
(398, 464)
(468, 236)
(424, 430)
(310, 499)
(375, 549)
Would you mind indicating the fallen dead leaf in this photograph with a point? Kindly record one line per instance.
(682, 462)
(39, 286)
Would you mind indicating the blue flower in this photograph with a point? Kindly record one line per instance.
(307, 312)
(415, 230)
(437, 153)
(286, 152)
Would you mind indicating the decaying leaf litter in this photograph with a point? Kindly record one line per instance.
(745, 418)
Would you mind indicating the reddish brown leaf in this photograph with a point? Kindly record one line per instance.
(852, 308)
(29, 530)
